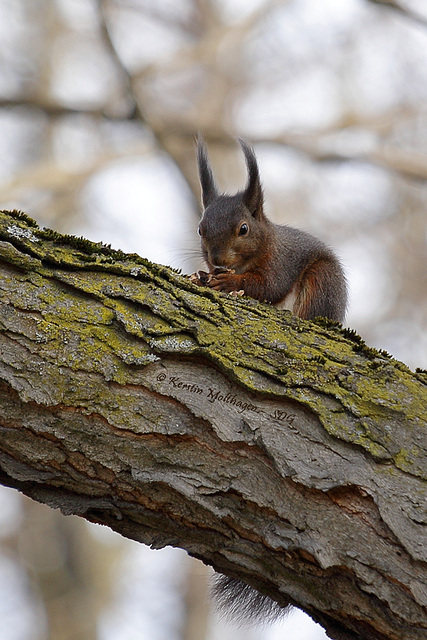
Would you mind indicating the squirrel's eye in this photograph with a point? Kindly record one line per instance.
(243, 229)
(198, 231)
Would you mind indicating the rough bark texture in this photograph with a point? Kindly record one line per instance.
(282, 452)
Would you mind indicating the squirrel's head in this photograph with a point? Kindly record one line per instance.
(232, 228)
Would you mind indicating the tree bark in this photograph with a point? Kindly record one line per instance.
(285, 453)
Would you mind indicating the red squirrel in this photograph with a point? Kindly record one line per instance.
(246, 252)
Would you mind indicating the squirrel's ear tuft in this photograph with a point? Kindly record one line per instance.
(253, 197)
(207, 182)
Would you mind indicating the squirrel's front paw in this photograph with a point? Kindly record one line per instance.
(226, 281)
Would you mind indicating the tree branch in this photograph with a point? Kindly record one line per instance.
(406, 12)
(285, 453)
(56, 110)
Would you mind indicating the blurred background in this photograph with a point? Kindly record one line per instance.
(99, 105)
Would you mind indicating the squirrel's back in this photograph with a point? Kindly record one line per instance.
(319, 286)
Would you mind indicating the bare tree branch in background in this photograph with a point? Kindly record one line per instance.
(57, 110)
(402, 10)
(126, 78)
(129, 81)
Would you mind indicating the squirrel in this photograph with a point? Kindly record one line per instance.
(247, 253)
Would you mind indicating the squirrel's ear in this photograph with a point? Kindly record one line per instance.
(253, 197)
(207, 182)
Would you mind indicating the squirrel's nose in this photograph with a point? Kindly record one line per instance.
(215, 258)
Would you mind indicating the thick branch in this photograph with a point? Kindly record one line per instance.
(285, 453)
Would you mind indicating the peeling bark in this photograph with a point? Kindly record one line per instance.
(285, 453)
